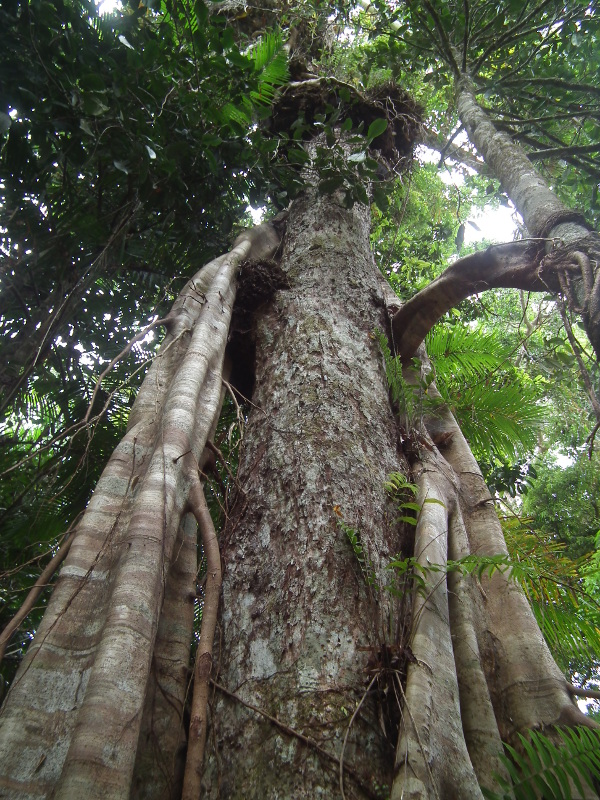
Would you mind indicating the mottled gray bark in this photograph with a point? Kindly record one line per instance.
(300, 623)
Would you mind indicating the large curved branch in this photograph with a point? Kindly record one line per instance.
(512, 265)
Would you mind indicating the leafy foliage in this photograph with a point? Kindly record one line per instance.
(497, 406)
(120, 173)
(566, 610)
(565, 502)
(551, 771)
(364, 562)
(402, 393)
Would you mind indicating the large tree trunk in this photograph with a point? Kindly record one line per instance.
(302, 627)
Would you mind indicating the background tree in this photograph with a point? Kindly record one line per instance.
(312, 518)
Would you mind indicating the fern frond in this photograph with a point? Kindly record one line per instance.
(402, 393)
(547, 770)
(468, 352)
(270, 61)
(502, 417)
(570, 634)
(496, 405)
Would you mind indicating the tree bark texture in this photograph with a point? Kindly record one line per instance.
(300, 621)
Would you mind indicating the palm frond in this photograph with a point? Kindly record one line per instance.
(551, 771)
(496, 405)
(566, 613)
(270, 61)
(501, 417)
(465, 351)
(570, 634)
(240, 114)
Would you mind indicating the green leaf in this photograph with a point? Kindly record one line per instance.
(376, 128)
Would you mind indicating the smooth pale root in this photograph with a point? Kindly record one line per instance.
(431, 758)
(526, 686)
(71, 723)
(477, 714)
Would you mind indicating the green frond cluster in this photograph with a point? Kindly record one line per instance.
(566, 612)
(463, 351)
(550, 771)
(269, 60)
(403, 394)
(498, 407)
(572, 637)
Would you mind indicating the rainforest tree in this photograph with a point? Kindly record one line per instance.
(361, 630)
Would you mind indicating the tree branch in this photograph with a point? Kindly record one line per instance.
(436, 141)
(506, 37)
(579, 691)
(443, 38)
(510, 265)
(520, 120)
(465, 36)
(560, 152)
(556, 83)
